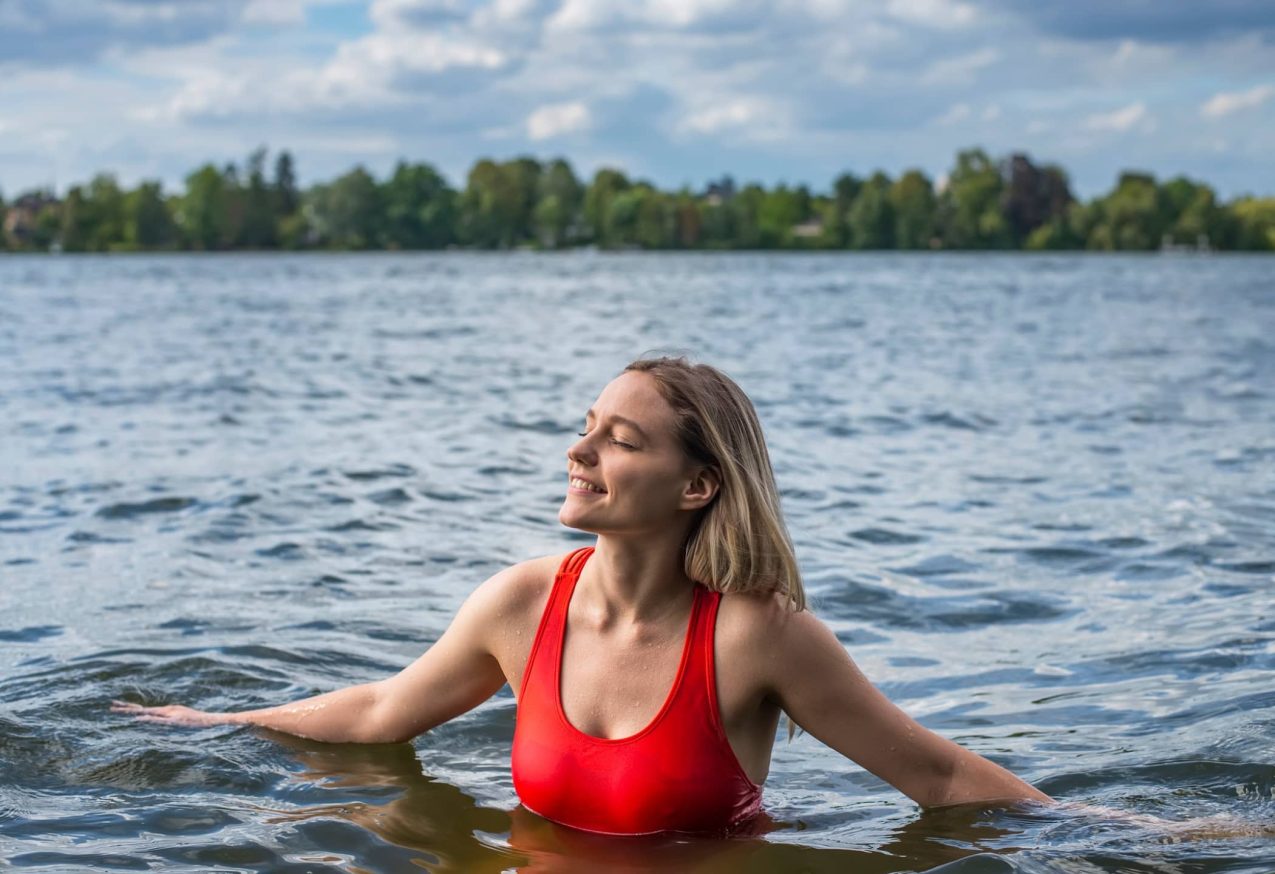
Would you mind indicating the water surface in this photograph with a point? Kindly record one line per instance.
(1034, 497)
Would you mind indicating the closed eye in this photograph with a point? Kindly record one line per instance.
(619, 443)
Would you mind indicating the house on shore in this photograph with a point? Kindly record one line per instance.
(22, 217)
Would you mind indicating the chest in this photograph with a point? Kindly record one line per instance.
(613, 684)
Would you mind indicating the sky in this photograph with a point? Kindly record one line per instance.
(678, 92)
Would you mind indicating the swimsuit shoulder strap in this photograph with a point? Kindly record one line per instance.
(553, 619)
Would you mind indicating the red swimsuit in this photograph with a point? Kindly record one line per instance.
(677, 774)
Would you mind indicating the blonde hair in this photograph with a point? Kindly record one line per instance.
(740, 542)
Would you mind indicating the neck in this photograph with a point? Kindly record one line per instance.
(638, 580)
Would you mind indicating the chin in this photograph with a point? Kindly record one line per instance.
(568, 517)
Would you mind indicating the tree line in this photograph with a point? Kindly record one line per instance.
(984, 203)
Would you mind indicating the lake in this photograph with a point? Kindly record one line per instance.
(1034, 496)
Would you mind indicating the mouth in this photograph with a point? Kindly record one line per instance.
(583, 485)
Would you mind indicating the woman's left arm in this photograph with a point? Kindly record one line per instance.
(822, 690)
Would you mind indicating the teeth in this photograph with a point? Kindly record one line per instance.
(581, 484)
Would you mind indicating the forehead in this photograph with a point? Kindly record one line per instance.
(635, 396)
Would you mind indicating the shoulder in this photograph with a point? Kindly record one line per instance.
(517, 588)
(501, 615)
(750, 615)
(765, 634)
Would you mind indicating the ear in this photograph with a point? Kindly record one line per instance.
(701, 488)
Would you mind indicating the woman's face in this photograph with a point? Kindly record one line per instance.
(628, 473)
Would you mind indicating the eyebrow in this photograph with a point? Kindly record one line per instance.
(620, 419)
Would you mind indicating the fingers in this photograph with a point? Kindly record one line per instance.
(165, 712)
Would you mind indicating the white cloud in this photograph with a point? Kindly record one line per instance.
(397, 13)
(961, 69)
(576, 15)
(558, 119)
(1228, 102)
(274, 12)
(1121, 120)
(933, 13)
(958, 113)
(674, 89)
(755, 115)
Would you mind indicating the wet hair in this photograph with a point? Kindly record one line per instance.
(740, 542)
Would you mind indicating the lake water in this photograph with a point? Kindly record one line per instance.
(1034, 497)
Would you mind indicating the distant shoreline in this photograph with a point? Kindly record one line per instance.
(983, 204)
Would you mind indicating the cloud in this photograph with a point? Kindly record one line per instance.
(754, 117)
(1120, 120)
(274, 12)
(1226, 102)
(959, 69)
(420, 13)
(716, 16)
(77, 33)
(558, 119)
(958, 113)
(678, 90)
(933, 13)
(1164, 21)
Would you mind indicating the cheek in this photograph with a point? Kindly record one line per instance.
(650, 487)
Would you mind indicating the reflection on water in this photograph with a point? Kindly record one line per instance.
(1034, 497)
(433, 817)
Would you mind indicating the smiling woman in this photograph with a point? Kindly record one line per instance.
(646, 700)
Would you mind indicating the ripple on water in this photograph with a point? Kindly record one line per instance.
(30, 634)
(129, 510)
(1050, 539)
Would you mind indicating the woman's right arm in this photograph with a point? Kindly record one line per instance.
(459, 672)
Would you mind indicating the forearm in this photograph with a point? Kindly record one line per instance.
(348, 715)
(968, 778)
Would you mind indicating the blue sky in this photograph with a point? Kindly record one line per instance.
(674, 91)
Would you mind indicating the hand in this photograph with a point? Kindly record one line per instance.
(1201, 828)
(171, 714)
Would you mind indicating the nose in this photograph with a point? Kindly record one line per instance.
(581, 452)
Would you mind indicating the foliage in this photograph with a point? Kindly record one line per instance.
(984, 203)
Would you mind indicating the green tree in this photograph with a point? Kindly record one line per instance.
(259, 226)
(1255, 220)
(656, 219)
(76, 221)
(203, 217)
(777, 212)
(913, 203)
(346, 213)
(1134, 216)
(746, 209)
(836, 228)
(287, 195)
(606, 185)
(687, 222)
(420, 208)
(1032, 196)
(558, 205)
(148, 222)
(871, 219)
(498, 204)
(93, 218)
(1195, 216)
(969, 207)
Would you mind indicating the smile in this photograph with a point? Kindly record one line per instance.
(585, 486)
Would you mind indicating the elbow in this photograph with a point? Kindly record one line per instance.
(384, 721)
(967, 778)
(942, 786)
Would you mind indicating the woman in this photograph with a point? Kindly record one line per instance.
(651, 670)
